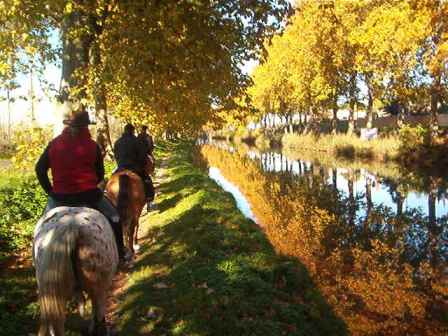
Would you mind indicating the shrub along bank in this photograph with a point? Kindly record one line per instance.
(205, 269)
(21, 203)
(344, 146)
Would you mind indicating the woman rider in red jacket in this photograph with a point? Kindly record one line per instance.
(77, 167)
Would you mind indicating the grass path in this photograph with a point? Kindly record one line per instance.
(204, 269)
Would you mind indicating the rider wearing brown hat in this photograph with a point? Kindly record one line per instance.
(77, 167)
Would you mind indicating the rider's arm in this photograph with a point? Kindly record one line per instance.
(99, 164)
(42, 166)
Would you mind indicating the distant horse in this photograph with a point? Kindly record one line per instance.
(126, 191)
(74, 250)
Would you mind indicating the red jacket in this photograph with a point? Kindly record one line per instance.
(73, 162)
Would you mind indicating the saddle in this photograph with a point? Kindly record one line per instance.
(108, 209)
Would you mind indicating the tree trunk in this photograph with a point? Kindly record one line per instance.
(369, 112)
(75, 59)
(351, 200)
(435, 98)
(102, 121)
(352, 93)
(334, 121)
(399, 199)
(102, 124)
(369, 204)
(291, 127)
(31, 92)
(8, 97)
(334, 175)
(432, 226)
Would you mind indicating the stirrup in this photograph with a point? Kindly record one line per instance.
(150, 206)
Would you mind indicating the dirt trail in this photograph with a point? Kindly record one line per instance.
(121, 278)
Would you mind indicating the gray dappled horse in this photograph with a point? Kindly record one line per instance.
(74, 251)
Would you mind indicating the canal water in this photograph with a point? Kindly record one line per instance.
(374, 237)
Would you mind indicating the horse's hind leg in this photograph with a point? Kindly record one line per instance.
(136, 234)
(81, 301)
(51, 328)
(131, 235)
(98, 327)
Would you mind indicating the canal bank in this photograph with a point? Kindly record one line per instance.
(205, 269)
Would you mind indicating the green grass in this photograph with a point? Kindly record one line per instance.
(344, 146)
(21, 202)
(205, 269)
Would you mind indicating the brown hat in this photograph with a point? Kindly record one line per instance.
(74, 116)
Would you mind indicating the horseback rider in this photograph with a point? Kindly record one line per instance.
(131, 155)
(146, 141)
(77, 167)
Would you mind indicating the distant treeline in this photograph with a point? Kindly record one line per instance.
(384, 55)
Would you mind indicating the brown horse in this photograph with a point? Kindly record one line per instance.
(126, 191)
(74, 251)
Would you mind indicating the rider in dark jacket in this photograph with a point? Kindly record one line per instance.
(76, 167)
(146, 141)
(146, 144)
(130, 155)
(127, 151)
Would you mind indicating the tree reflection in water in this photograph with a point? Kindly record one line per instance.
(383, 271)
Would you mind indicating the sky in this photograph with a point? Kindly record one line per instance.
(21, 109)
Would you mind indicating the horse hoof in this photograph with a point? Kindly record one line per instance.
(129, 256)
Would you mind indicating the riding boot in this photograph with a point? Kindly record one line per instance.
(107, 209)
(149, 189)
(118, 233)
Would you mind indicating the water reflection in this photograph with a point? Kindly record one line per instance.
(376, 190)
(241, 201)
(375, 244)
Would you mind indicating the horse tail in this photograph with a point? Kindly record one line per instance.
(56, 279)
(124, 198)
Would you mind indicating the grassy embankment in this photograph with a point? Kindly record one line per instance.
(205, 269)
(344, 146)
(21, 202)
